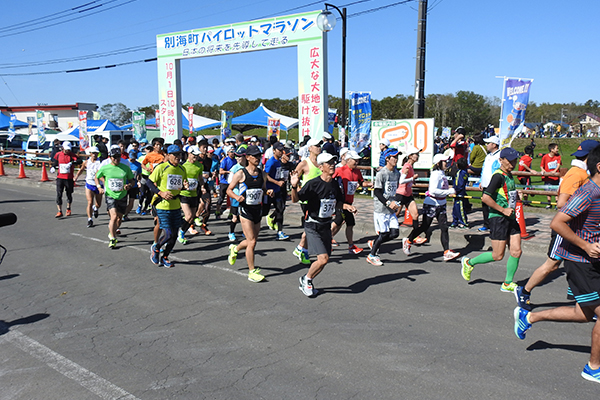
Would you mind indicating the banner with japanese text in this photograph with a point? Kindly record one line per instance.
(11, 127)
(39, 115)
(226, 117)
(139, 125)
(191, 121)
(273, 127)
(360, 121)
(403, 133)
(515, 98)
(157, 118)
(84, 140)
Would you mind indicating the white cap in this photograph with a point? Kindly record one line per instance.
(343, 151)
(195, 150)
(314, 142)
(327, 136)
(352, 154)
(385, 141)
(114, 146)
(493, 139)
(409, 149)
(66, 145)
(92, 149)
(324, 157)
(440, 157)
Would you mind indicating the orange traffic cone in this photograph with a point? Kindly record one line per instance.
(408, 220)
(521, 220)
(2, 168)
(44, 173)
(21, 171)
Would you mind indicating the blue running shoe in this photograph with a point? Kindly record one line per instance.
(138, 210)
(591, 374)
(483, 229)
(282, 236)
(522, 299)
(166, 263)
(231, 237)
(521, 323)
(154, 255)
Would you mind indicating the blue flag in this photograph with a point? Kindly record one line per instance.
(360, 121)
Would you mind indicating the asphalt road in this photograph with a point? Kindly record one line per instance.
(81, 321)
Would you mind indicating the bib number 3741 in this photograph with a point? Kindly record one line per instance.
(327, 208)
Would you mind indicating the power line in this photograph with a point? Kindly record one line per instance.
(80, 69)
(45, 17)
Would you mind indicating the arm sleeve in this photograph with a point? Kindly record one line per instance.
(404, 179)
(434, 182)
(496, 183)
(379, 194)
(152, 186)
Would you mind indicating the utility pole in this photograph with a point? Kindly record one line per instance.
(419, 110)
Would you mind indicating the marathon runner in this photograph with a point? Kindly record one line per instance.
(189, 197)
(92, 194)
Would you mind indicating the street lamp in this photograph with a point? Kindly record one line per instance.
(326, 21)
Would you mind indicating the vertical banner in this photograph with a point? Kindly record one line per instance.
(446, 131)
(331, 115)
(139, 125)
(157, 119)
(403, 133)
(30, 122)
(84, 140)
(39, 115)
(515, 98)
(226, 117)
(191, 121)
(273, 127)
(360, 121)
(11, 127)
(95, 115)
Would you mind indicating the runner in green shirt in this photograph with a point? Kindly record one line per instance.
(117, 179)
(190, 198)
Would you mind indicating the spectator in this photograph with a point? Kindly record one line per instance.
(551, 162)
(459, 144)
(477, 156)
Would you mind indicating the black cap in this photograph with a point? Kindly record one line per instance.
(278, 146)
(253, 151)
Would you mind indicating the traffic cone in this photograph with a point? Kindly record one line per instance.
(44, 173)
(21, 171)
(2, 168)
(521, 220)
(408, 220)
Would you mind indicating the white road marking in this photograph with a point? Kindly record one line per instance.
(92, 382)
(174, 258)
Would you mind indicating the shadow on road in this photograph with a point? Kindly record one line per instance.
(5, 277)
(6, 325)
(363, 285)
(541, 345)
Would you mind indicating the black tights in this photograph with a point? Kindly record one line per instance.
(382, 238)
(442, 218)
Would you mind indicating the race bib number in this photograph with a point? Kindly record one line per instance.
(552, 164)
(64, 168)
(285, 174)
(278, 174)
(254, 197)
(115, 184)
(327, 208)
(390, 189)
(512, 199)
(352, 185)
(174, 182)
(193, 184)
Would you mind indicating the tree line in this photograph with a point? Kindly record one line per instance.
(471, 110)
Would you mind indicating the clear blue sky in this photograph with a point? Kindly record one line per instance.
(470, 42)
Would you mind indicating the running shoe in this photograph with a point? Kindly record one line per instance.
(466, 268)
(406, 246)
(463, 227)
(58, 214)
(138, 210)
(181, 237)
(192, 231)
(166, 263)
(508, 287)
(419, 240)
(370, 244)
(297, 252)
(154, 255)
(205, 230)
(126, 218)
(375, 260)
(68, 214)
(452, 226)
(95, 212)
(282, 236)
(483, 229)
(255, 276)
(306, 286)
(144, 212)
(198, 221)
(112, 243)
(90, 223)
(218, 214)
(450, 255)
(231, 237)
(271, 222)
(118, 231)
(354, 249)
(591, 374)
(522, 299)
(232, 254)
(334, 243)
(305, 258)
(521, 322)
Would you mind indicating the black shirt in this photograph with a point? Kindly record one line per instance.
(321, 198)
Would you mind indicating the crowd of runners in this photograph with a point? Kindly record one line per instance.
(175, 183)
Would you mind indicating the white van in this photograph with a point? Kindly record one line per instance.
(46, 148)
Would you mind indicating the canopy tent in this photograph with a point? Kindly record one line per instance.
(5, 122)
(94, 125)
(200, 123)
(260, 118)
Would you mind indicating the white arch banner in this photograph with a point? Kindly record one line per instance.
(298, 30)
